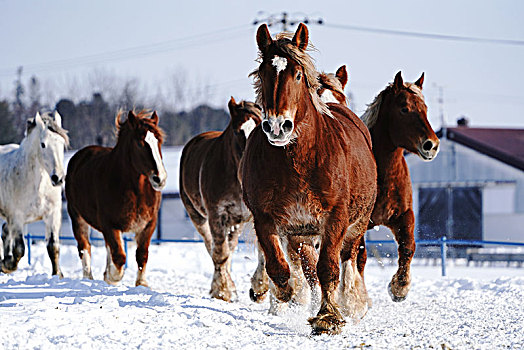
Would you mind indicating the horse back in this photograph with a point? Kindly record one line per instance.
(208, 172)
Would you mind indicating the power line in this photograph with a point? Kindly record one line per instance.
(131, 52)
(426, 35)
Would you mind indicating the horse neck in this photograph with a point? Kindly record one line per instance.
(388, 156)
(309, 126)
(122, 158)
(231, 145)
(28, 149)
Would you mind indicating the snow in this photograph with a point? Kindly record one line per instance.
(473, 308)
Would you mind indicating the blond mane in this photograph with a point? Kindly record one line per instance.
(284, 44)
(370, 116)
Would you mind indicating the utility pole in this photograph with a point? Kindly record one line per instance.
(285, 20)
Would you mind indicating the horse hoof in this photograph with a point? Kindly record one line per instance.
(394, 297)
(257, 297)
(326, 324)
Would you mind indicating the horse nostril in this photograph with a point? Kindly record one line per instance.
(156, 179)
(265, 126)
(54, 179)
(427, 146)
(287, 126)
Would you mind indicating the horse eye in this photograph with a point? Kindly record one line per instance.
(299, 76)
(42, 145)
(404, 110)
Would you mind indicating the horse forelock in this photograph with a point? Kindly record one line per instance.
(51, 124)
(144, 122)
(284, 44)
(370, 116)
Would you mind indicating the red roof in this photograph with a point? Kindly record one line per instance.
(506, 145)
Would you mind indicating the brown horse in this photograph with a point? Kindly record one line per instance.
(397, 121)
(211, 193)
(332, 86)
(308, 171)
(117, 190)
(302, 251)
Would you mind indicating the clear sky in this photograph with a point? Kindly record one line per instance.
(212, 44)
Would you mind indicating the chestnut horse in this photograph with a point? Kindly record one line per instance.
(308, 171)
(302, 251)
(397, 121)
(117, 190)
(332, 86)
(211, 192)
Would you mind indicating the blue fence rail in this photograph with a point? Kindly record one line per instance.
(443, 242)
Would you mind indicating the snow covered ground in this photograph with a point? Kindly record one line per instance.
(474, 308)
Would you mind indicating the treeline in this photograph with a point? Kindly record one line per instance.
(91, 121)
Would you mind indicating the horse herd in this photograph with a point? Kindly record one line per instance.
(309, 174)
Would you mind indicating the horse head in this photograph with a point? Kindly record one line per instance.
(332, 86)
(409, 127)
(52, 140)
(245, 116)
(145, 146)
(286, 83)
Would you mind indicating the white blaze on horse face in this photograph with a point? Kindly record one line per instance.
(280, 63)
(248, 126)
(153, 144)
(328, 97)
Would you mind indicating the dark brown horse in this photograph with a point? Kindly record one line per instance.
(397, 121)
(308, 171)
(117, 190)
(210, 190)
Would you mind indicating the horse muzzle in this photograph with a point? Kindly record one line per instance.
(279, 130)
(428, 150)
(157, 182)
(57, 180)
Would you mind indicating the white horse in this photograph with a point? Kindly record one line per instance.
(31, 175)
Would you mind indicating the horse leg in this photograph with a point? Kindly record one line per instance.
(352, 295)
(403, 229)
(52, 235)
(222, 286)
(362, 257)
(260, 279)
(116, 257)
(81, 233)
(200, 222)
(329, 319)
(143, 240)
(276, 265)
(14, 246)
(302, 254)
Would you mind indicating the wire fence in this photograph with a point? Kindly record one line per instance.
(443, 243)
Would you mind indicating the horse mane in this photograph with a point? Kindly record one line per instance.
(50, 123)
(370, 116)
(283, 43)
(144, 117)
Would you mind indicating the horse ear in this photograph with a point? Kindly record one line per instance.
(154, 118)
(301, 37)
(39, 121)
(342, 76)
(131, 118)
(263, 37)
(58, 119)
(232, 104)
(420, 81)
(398, 83)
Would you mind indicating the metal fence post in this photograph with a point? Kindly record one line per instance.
(443, 253)
(125, 250)
(29, 248)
